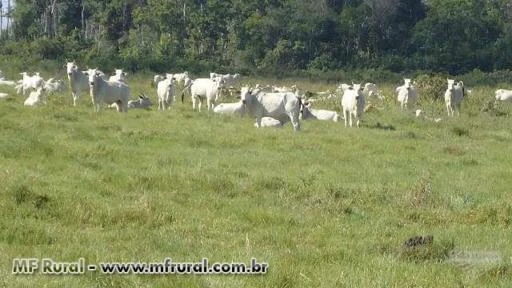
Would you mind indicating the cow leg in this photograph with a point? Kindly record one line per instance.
(124, 106)
(194, 103)
(294, 117)
(75, 98)
(345, 116)
(258, 122)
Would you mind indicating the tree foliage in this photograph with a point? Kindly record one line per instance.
(275, 36)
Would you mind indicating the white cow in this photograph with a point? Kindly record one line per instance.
(503, 95)
(420, 114)
(269, 122)
(4, 81)
(180, 77)
(143, 102)
(35, 98)
(107, 92)
(229, 79)
(318, 114)
(283, 89)
(231, 108)
(119, 75)
(204, 88)
(53, 85)
(3, 95)
(29, 83)
(453, 96)
(165, 93)
(370, 91)
(281, 106)
(407, 94)
(157, 78)
(78, 81)
(353, 103)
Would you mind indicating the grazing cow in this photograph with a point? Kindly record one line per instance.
(269, 122)
(407, 94)
(318, 114)
(503, 95)
(453, 96)
(353, 103)
(204, 88)
(108, 92)
(143, 102)
(3, 95)
(78, 81)
(35, 98)
(165, 93)
(119, 75)
(231, 108)
(281, 106)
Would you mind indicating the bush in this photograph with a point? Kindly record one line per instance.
(432, 86)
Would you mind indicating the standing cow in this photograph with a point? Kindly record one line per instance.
(281, 106)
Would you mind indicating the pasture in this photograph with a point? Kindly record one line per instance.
(328, 206)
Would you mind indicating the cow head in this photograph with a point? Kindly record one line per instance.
(93, 75)
(71, 67)
(407, 83)
(451, 84)
(246, 94)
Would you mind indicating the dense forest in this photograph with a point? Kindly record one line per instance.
(270, 36)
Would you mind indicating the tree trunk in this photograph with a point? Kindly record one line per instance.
(54, 14)
(84, 26)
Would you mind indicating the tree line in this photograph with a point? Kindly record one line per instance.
(271, 36)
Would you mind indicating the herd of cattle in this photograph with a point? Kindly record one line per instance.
(271, 106)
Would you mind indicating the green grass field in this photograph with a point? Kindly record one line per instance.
(326, 207)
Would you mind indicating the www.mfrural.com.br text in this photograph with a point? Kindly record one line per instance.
(48, 266)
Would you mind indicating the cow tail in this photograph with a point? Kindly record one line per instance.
(183, 91)
(301, 105)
